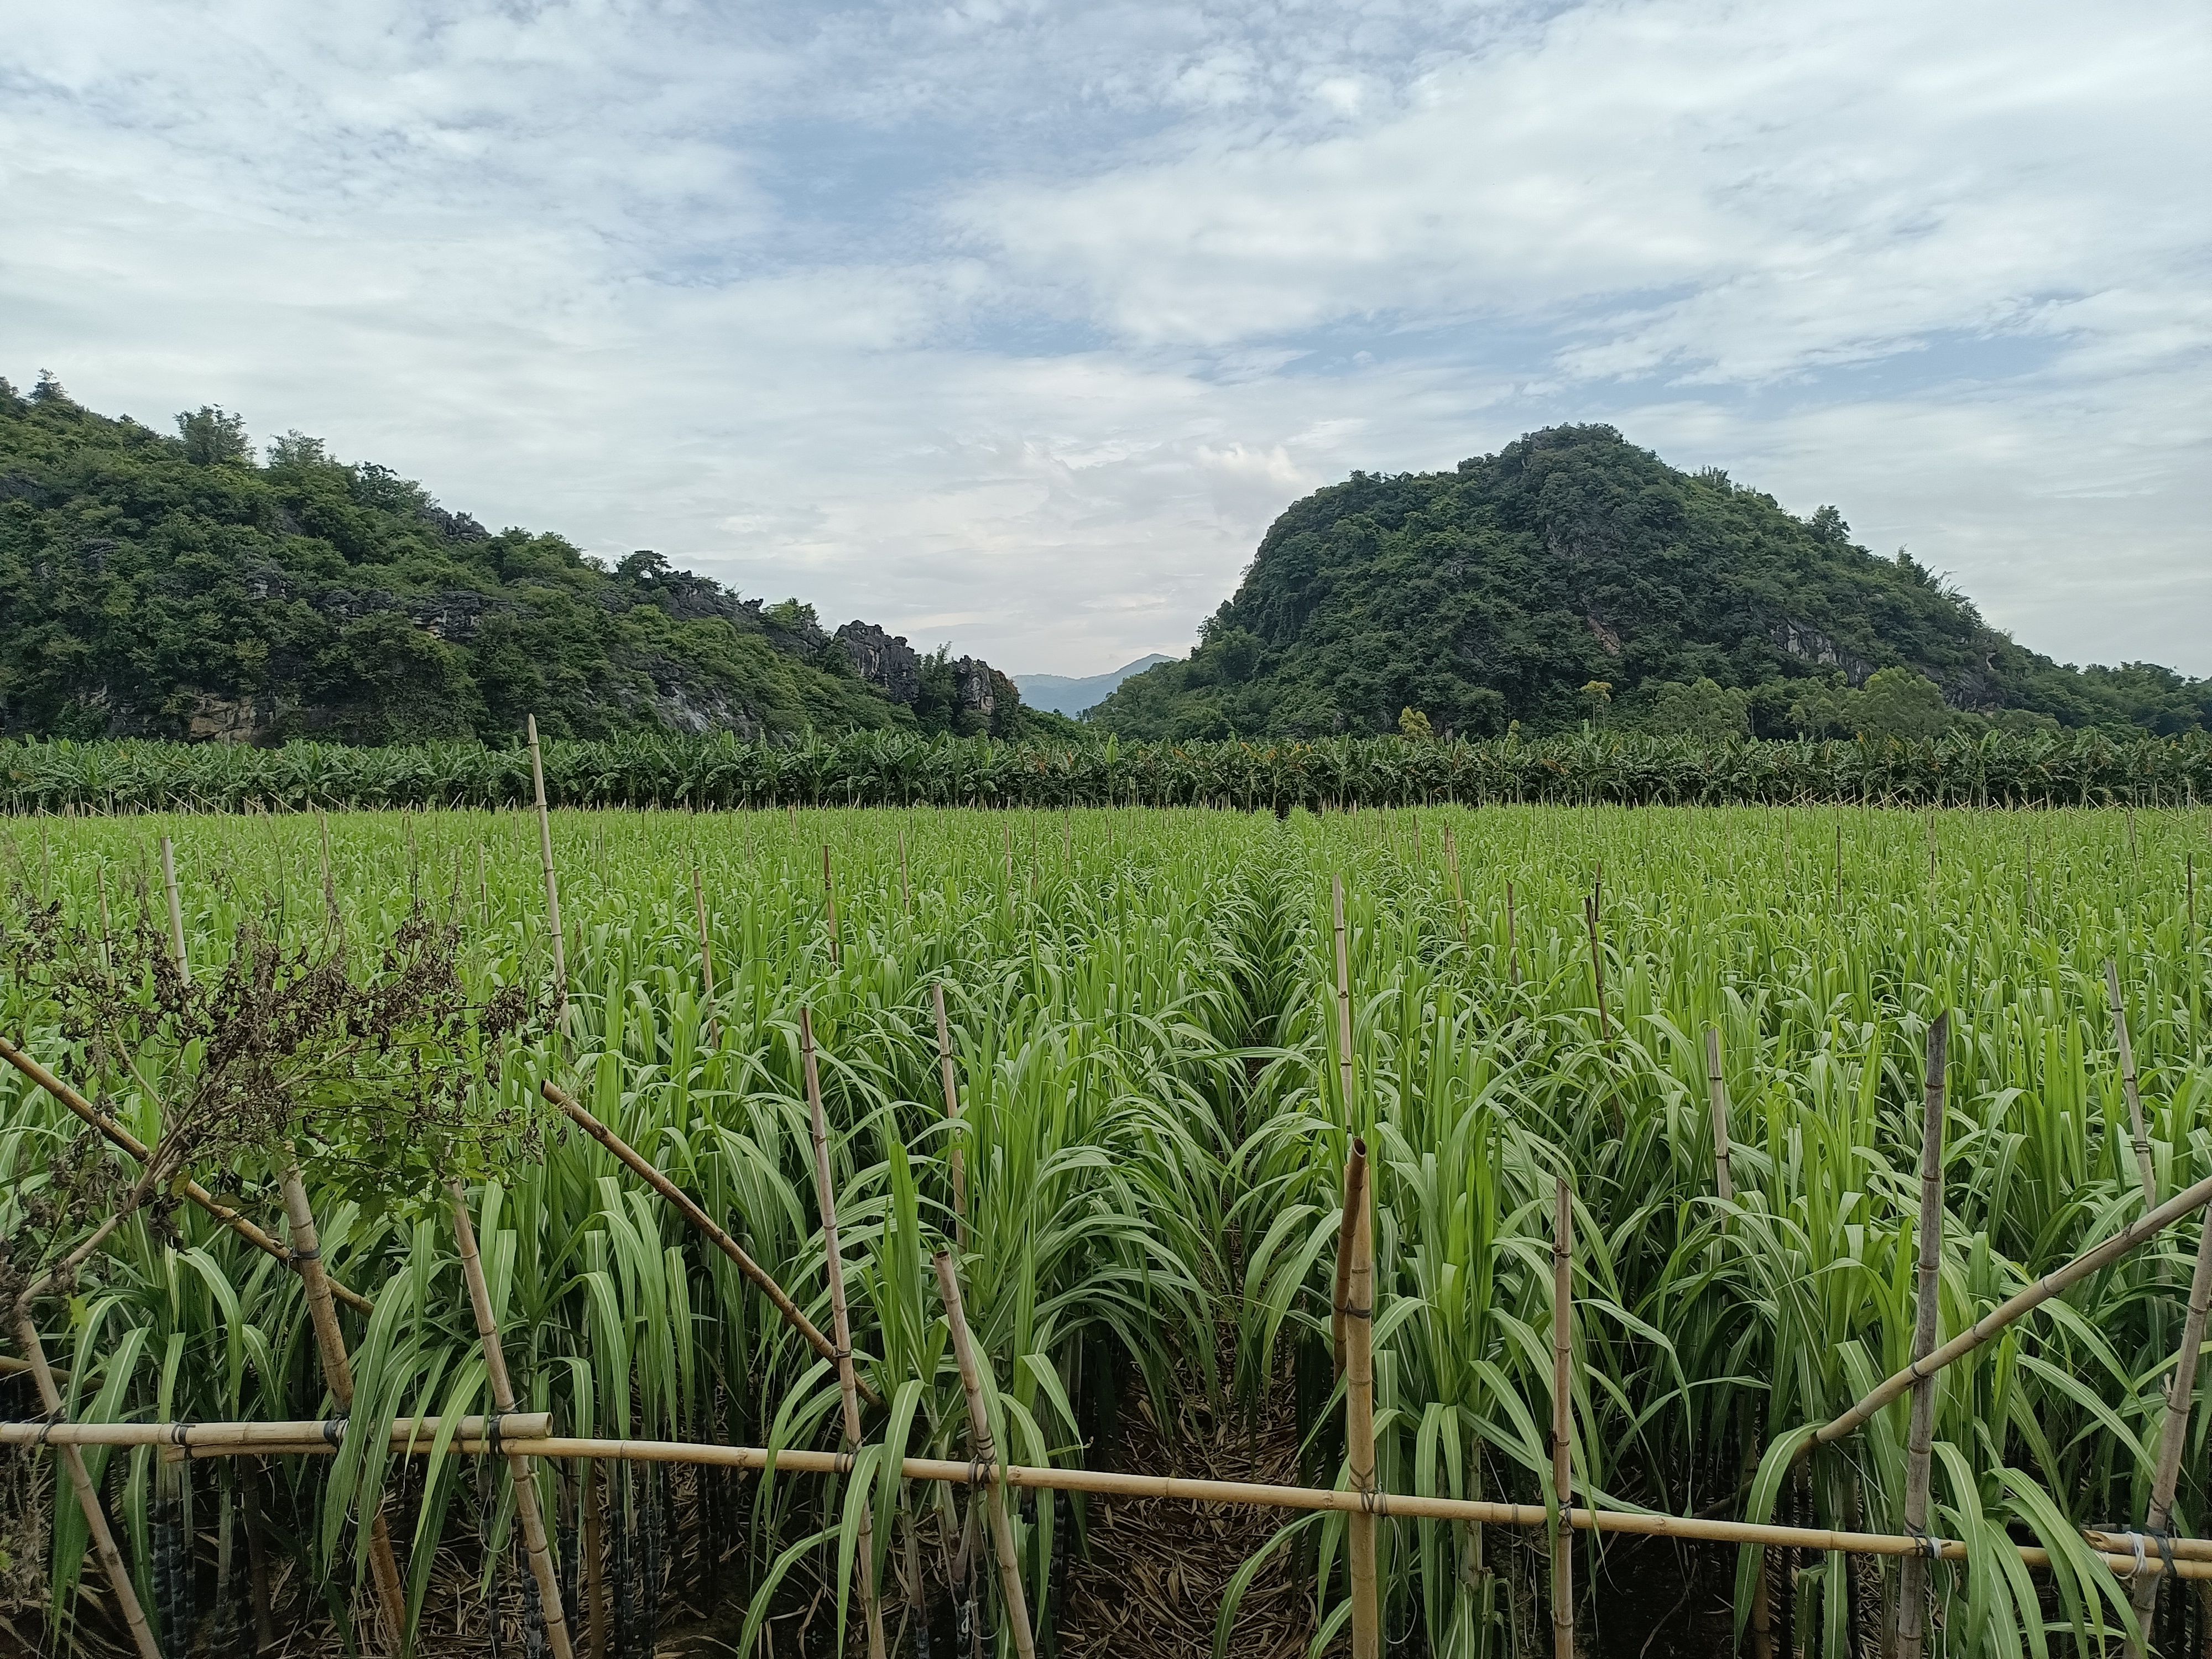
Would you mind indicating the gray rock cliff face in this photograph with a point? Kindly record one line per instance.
(883, 659)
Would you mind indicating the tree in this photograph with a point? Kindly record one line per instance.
(1413, 726)
(214, 437)
(1703, 709)
(1896, 702)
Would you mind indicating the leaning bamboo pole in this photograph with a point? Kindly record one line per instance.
(337, 1375)
(1913, 1576)
(191, 1189)
(1717, 1097)
(1563, 1466)
(2145, 1170)
(542, 1567)
(698, 1218)
(984, 1466)
(834, 1264)
(545, 858)
(2058, 1279)
(2191, 1557)
(2173, 1433)
(1355, 1255)
(956, 1153)
(176, 911)
(87, 1499)
(322, 1434)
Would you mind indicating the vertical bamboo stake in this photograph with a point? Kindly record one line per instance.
(830, 902)
(87, 1499)
(545, 857)
(1512, 939)
(905, 888)
(1355, 1255)
(337, 1373)
(840, 1326)
(2173, 1433)
(1343, 1007)
(1597, 963)
(1344, 1080)
(176, 911)
(958, 1153)
(1355, 1190)
(483, 890)
(332, 915)
(2144, 1166)
(595, 1580)
(1563, 1452)
(706, 949)
(1716, 1094)
(1459, 898)
(1913, 1575)
(542, 1565)
(986, 1456)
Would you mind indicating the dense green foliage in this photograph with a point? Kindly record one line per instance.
(170, 586)
(895, 768)
(1154, 1130)
(1572, 576)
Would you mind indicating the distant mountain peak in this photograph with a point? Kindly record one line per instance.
(1064, 695)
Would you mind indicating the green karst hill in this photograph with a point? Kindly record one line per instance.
(173, 585)
(1573, 576)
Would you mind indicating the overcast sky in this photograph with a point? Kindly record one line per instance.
(1013, 325)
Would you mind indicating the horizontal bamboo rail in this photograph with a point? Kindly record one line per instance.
(698, 1218)
(138, 1149)
(2051, 1284)
(324, 1434)
(2192, 1556)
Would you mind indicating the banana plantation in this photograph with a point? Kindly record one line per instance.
(891, 769)
(1542, 1194)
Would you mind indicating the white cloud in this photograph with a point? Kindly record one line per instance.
(1021, 323)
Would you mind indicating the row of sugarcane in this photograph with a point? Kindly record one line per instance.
(1538, 961)
(1362, 1501)
(877, 768)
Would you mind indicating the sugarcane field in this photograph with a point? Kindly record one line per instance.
(1478, 1232)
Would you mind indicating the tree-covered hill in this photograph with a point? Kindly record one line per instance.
(176, 586)
(1573, 577)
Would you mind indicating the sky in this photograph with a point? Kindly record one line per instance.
(1013, 325)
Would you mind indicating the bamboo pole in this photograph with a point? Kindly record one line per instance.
(87, 1499)
(2053, 1283)
(1358, 1162)
(338, 1374)
(830, 903)
(542, 1567)
(1563, 1471)
(176, 911)
(905, 888)
(2144, 1168)
(834, 1264)
(2193, 1556)
(325, 1434)
(706, 949)
(1512, 940)
(1459, 897)
(1343, 1004)
(2173, 1433)
(1356, 1259)
(1716, 1095)
(985, 1465)
(957, 1153)
(333, 917)
(699, 1219)
(1913, 1576)
(1597, 965)
(191, 1189)
(545, 857)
